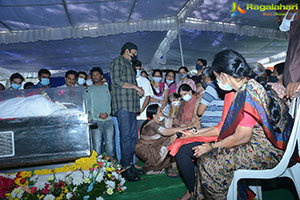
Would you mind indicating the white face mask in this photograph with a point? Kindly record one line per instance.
(286, 23)
(187, 97)
(89, 82)
(225, 87)
(175, 103)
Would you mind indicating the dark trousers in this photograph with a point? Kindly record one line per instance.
(128, 136)
(186, 162)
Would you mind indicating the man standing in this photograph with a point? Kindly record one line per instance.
(125, 104)
(99, 109)
(70, 79)
(44, 79)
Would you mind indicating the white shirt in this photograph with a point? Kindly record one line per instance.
(146, 86)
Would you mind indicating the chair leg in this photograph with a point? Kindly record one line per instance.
(294, 173)
(232, 191)
(257, 190)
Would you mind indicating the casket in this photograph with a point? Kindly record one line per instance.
(41, 140)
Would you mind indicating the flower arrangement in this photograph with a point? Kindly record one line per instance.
(86, 179)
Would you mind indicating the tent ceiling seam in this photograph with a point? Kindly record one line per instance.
(131, 10)
(67, 12)
(6, 26)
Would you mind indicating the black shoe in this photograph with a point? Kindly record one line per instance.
(138, 172)
(129, 175)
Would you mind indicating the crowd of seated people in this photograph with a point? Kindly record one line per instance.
(208, 102)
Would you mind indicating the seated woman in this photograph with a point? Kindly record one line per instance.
(152, 146)
(187, 113)
(185, 79)
(170, 81)
(160, 89)
(211, 104)
(253, 133)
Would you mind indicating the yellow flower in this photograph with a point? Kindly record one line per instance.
(110, 191)
(65, 189)
(25, 174)
(109, 175)
(108, 169)
(43, 172)
(61, 196)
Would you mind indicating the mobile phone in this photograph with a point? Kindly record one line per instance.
(179, 135)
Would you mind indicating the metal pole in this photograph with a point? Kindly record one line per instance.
(180, 47)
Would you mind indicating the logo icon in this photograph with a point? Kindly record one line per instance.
(236, 9)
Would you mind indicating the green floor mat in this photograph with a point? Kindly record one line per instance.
(161, 187)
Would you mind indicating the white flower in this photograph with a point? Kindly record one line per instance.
(123, 188)
(77, 178)
(115, 175)
(20, 194)
(99, 178)
(69, 196)
(122, 181)
(49, 197)
(50, 178)
(34, 178)
(99, 198)
(41, 181)
(86, 173)
(110, 184)
(60, 177)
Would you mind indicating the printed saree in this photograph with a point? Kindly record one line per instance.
(264, 150)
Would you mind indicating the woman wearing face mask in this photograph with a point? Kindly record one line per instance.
(211, 105)
(160, 90)
(252, 134)
(187, 113)
(170, 81)
(155, 138)
(185, 79)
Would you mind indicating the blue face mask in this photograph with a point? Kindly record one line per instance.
(81, 81)
(156, 79)
(198, 66)
(15, 86)
(225, 87)
(169, 81)
(45, 81)
(187, 97)
(183, 75)
(138, 72)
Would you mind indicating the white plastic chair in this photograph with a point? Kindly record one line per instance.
(281, 170)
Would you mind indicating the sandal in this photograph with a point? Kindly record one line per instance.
(172, 173)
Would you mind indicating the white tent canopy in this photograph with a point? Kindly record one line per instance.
(80, 34)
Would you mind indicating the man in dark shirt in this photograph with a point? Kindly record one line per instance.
(44, 77)
(126, 104)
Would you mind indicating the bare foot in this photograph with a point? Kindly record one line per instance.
(186, 196)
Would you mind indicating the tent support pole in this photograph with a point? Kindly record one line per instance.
(180, 47)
